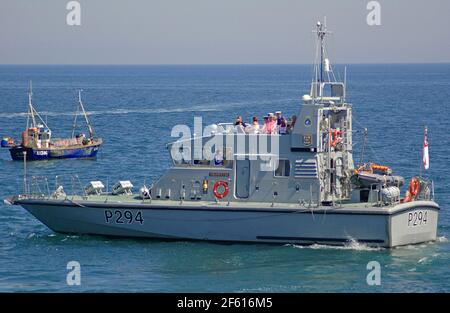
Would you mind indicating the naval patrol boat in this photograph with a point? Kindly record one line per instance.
(305, 191)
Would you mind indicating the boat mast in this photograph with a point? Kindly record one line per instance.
(75, 121)
(321, 32)
(91, 130)
(25, 191)
(32, 113)
(363, 147)
(30, 107)
(321, 62)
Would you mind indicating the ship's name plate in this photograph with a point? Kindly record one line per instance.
(219, 174)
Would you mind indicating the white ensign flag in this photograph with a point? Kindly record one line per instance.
(426, 156)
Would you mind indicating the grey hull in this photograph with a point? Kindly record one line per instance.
(336, 226)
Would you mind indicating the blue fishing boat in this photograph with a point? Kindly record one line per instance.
(37, 142)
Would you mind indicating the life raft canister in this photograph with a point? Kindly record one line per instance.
(224, 193)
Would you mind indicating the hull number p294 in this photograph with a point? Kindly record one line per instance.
(417, 218)
(123, 217)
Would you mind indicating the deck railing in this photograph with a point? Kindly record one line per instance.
(69, 186)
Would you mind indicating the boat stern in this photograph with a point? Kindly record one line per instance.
(413, 222)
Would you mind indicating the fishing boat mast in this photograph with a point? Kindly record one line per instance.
(32, 113)
(30, 108)
(80, 105)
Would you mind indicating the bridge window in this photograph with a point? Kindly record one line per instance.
(181, 156)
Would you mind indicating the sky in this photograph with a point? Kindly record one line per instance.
(221, 32)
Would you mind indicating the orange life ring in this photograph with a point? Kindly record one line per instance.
(413, 190)
(223, 184)
(414, 186)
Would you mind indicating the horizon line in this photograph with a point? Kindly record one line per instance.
(215, 64)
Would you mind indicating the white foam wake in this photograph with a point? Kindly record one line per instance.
(351, 245)
(113, 112)
(207, 107)
(442, 239)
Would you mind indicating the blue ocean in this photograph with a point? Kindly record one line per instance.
(133, 108)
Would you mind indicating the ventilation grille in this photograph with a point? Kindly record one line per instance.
(306, 168)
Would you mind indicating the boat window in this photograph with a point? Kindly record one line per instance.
(181, 156)
(224, 163)
(220, 158)
(364, 195)
(43, 136)
(283, 169)
(202, 162)
(333, 90)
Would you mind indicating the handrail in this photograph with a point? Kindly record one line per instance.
(39, 186)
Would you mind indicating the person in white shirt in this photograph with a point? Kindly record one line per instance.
(218, 158)
(255, 125)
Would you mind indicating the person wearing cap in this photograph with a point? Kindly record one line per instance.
(274, 127)
(279, 117)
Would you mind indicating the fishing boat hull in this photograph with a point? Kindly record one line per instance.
(403, 224)
(34, 154)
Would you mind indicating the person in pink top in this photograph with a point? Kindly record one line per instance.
(267, 127)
